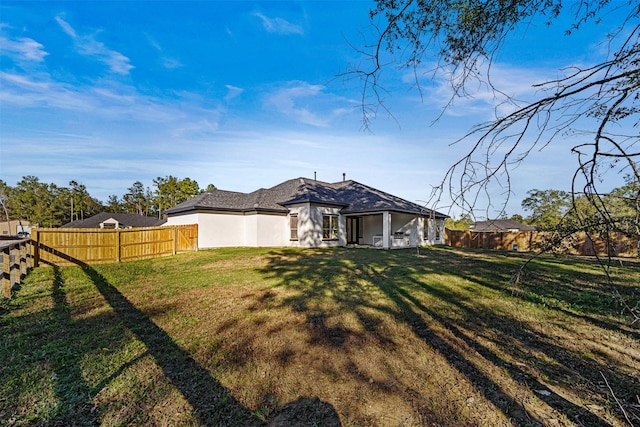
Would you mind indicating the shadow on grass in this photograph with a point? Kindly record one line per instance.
(550, 282)
(348, 275)
(212, 403)
(72, 392)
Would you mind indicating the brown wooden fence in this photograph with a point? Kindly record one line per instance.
(16, 261)
(578, 244)
(64, 246)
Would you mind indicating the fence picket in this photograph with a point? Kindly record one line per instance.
(578, 244)
(64, 246)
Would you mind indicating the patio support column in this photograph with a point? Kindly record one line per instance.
(386, 229)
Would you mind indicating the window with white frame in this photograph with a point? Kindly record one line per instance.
(293, 225)
(330, 227)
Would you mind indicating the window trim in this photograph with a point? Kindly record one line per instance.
(293, 231)
(332, 232)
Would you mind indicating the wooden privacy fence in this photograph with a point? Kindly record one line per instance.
(618, 244)
(64, 246)
(16, 261)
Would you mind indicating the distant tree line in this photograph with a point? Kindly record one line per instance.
(51, 205)
(557, 210)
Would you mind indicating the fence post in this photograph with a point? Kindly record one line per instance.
(175, 240)
(195, 238)
(29, 254)
(36, 250)
(118, 249)
(14, 270)
(23, 260)
(6, 272)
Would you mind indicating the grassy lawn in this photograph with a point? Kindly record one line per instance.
(351, 337)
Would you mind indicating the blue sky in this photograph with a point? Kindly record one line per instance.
(243, 95)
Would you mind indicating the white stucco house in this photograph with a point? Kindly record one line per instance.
(307, 213)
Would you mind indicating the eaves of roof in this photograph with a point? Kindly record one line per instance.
(197, 208)
(423, 212)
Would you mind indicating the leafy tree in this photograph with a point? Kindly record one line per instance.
(561, 211)
(188, 189)
(519, 218)
(462, 223)
(4, 200)
(170, 191)
(135, 200)
(35, 201)
(82, 204)
(115, 205)
(548, 208)
(623, 206)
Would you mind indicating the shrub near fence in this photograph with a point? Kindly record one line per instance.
(577, 244)
(64, 246)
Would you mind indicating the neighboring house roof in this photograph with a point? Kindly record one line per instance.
(351, 196)
(125, 220)
(500, 225)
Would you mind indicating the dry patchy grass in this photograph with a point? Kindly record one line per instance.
(352, 337)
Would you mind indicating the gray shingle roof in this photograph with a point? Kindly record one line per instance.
(351, 196)
(125, 220)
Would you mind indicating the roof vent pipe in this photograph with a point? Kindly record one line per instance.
(314, 175)
(344, 177)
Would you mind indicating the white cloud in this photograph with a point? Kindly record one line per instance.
(309, 104)
(66, 27)
(232, 92)
(23, 49)
(287, 100)
(200, 130)
(166, 61)
(278, 25)
(170, 63)
(114, 102)
(89, 46)
(511, 85)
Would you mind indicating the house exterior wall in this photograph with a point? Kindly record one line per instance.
(442, 239)
(404, 231)
(433, 236)
(409, 229)
(224, 229)
(214, 230)
(306, 237)
(371, 227)
(266, 230)
(310, 226)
